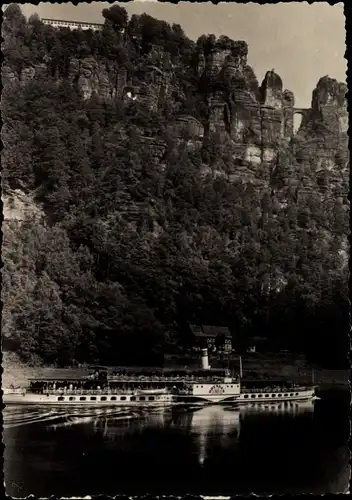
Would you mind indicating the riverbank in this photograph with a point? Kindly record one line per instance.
(260, 367)
(17, 373)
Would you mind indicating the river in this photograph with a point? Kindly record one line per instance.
(214, 450)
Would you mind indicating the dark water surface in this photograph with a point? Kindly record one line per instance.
(214, 450)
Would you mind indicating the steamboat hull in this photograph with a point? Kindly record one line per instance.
(157, 400)
(250, 398)
(264, 397)
(169, 399)
(214, 400)
(88, 401)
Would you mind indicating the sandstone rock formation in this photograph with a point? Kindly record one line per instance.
(257, 120)
(19, 207)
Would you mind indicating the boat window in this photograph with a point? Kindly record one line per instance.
(246, 396)
(285, 395)
(253, 396)
(103, 398)
(61, 398)
(82, 398)
(133, 398)
(72, 398)
(296, 393)
(260, 395)
(113, 398)
(267, 395)
(123, 398)
(291, 394)
(273, 395)
(279, 395)
(151, 398)
(93, 398)
(141, 398)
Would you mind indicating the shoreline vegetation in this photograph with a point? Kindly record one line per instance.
(17, 373)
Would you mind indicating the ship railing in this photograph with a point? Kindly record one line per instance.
(276, 389)
(85, 392)
(165, 379)
(182, 391)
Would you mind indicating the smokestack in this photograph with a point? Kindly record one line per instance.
(205, 360)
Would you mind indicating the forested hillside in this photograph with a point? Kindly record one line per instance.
(164, 185)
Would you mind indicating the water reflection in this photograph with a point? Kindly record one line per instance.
(207, 420)
(213, 426)
(55, 418)
(114, 426)
(283, 408)
(218, 426)
(208, 449)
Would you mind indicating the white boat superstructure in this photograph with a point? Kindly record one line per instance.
(152, 392)
(212, 392)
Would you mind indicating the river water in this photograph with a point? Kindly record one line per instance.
(214, 450)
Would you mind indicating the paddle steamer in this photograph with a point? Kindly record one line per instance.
(104, 388)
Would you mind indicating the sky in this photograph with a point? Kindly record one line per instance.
(301, 42)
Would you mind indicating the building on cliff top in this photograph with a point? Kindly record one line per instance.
(73, 25)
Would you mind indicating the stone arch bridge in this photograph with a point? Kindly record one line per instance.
(298, 115)
(301, 111)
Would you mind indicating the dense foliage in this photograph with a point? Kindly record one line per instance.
(132, 248)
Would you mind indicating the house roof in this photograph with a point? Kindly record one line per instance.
(210, 331)
(197, 330)
(216, 330)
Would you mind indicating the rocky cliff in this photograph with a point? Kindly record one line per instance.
(255, 121)
(259, 120)
(221, 99)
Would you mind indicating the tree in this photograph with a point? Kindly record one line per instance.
(14, 30)
(117, 16)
